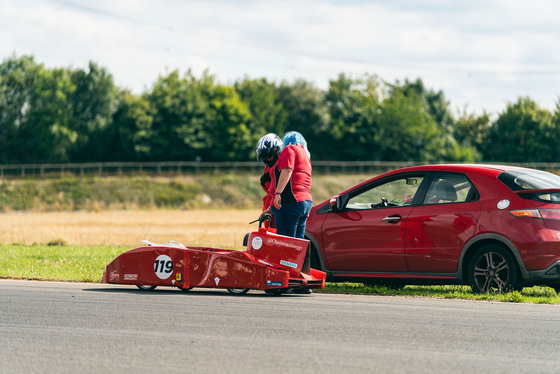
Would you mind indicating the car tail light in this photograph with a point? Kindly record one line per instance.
(537, 213)
(550, 213)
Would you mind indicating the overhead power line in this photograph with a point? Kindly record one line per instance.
(301, 53)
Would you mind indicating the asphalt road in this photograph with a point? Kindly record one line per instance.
(91, 328)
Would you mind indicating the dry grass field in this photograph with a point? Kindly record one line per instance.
(213, 228)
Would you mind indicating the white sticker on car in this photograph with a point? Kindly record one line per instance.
(163, 266)
(503, 204)
(257, 242)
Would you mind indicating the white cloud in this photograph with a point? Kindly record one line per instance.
(478, 53)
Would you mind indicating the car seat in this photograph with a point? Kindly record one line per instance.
(444, 192)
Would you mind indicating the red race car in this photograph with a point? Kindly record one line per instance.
(495, 228)
(273, 263)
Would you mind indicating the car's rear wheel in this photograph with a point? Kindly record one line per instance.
(238, 291)
(493, 269)
(144, 287)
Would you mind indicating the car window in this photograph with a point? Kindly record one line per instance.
(528, 179)
(397, 192)
(448, 189)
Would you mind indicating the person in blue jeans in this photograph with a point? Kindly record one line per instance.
(291, 186)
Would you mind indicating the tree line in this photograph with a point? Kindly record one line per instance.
(66, 114)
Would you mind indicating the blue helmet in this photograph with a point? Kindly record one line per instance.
(294, 137)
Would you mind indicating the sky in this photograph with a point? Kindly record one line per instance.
(482, 54)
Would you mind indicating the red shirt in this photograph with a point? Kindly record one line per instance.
(299, 186)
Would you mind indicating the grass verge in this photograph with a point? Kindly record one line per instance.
(535, 295)
(86, 264)
(56, 262)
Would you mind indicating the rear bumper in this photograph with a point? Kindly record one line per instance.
(550, 275)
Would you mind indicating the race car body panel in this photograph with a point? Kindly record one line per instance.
(271, 262)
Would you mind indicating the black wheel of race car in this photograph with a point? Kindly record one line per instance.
(275, 291)
(493, 269)
(238, 291)
(144, 287)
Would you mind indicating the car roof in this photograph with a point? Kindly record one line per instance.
(486, 169)
(460, 167)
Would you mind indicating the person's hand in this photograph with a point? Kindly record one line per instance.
(278, 201)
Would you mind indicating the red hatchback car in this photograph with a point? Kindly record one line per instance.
(495, 228)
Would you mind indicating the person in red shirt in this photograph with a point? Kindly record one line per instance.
(291, 186)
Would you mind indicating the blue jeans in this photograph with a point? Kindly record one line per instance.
(291, 218)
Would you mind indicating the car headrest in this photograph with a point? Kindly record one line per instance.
(445, 191)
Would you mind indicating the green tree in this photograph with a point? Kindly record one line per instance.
(415, 124)
(306, 111)
(406, 129)
(523, 132)
(434, 102)
(226, 121)
(177, 108)
(40, 114)
(17, 77)
(267, 112)
(197, 119)
(93, 103)
(128, 136)
(353, 128)
(472, 130)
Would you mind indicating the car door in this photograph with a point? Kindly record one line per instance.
(368, 233)
(437, 229)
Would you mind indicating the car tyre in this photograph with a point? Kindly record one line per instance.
(276, 291)
(238, 291)
(144, 287)
(493, 269)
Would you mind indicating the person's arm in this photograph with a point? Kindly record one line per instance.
(285, 176)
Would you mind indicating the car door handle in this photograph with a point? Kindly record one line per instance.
(392, 219)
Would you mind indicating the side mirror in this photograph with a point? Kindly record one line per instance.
(337, 204)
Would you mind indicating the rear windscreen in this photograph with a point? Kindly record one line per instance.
(518, 180)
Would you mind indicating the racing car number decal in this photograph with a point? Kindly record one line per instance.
(163, 266)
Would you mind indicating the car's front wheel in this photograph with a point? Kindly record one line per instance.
(144, 287)
(493, 269)
(238, 291)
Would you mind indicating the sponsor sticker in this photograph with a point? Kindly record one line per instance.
(257, 243)
(114, 275)
(217, 280)
(130, 277)
(284, 244)
(274, 283)
(287, 263)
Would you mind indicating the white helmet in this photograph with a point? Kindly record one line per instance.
(269, 146)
